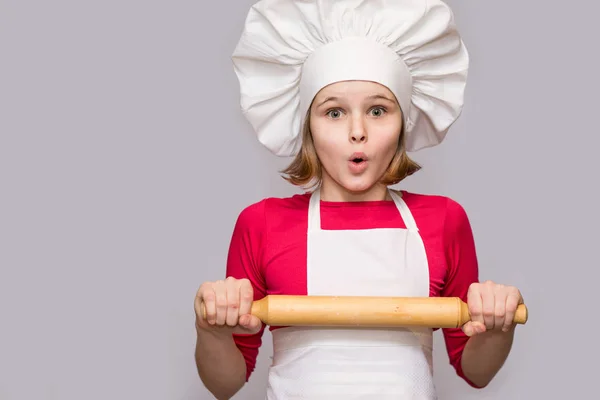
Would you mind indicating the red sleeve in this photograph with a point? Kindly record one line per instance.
(244, 261)
(461, 259)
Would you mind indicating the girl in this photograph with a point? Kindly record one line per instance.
(348, 88)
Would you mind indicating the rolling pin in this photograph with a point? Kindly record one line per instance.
(364, 311)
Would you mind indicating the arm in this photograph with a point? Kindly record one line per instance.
(485, 354)
(226, 358)
(220, 363)
(478, 349)
(491, 330)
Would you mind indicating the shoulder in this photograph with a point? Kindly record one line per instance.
(273, 207)
(434, 203)
(442, 211)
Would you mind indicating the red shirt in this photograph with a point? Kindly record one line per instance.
(268, 247)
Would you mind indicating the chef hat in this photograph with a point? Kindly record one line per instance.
(290, 49)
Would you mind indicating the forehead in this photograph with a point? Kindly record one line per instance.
(354, 90)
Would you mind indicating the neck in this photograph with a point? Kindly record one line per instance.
(331, 191)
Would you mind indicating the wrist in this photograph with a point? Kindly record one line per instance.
(213, 332)
(495, 337)
(501, 333)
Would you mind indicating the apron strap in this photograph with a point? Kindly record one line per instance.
(314, 211)
(407, 216)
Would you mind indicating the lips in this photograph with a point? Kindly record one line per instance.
(358, 158)
(357, 163)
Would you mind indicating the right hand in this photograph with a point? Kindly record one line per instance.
(228, 305)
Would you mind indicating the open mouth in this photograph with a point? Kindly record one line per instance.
(358, 158)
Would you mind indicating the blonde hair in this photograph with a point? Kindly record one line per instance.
(306, 167)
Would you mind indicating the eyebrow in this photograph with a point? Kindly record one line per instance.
(373, 97)
(380, 96)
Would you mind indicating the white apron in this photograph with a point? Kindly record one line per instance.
(339, 363)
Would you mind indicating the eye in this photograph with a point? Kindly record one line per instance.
(334, 113)
(377, 111)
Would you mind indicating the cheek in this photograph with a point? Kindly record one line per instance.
(386, 143)
(327, 139)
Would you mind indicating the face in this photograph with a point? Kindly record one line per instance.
(355, 127)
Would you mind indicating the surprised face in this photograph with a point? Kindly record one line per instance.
(355, 126)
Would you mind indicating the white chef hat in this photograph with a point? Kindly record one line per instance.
(290, 49)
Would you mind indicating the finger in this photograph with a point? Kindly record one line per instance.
(488, 306)
(246, 297)
(233, 302)
(512, 302)
(207, 296)
(500, 307)
(221, 302)
(475, 304)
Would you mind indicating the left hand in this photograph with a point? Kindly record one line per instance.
(492, 307)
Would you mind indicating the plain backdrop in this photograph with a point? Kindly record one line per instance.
(125, 161)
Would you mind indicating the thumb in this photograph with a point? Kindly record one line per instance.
(467, 328)
(250, 323)
(473, 328)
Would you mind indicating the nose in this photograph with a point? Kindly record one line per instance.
(358, 137)
(358, 133)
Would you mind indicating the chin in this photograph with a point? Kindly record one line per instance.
(359, 185)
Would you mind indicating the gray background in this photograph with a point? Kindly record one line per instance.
(125, 160)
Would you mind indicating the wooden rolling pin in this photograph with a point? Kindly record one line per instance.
(362, 311)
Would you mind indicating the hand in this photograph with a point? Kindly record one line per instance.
(228, 304)
(492, 307)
